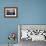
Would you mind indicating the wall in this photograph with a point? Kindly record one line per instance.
(29, 12)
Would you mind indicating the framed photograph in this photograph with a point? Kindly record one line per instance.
(33, 32)
(10, 12)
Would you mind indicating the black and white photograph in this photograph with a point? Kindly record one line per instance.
(10, 11)
(32, 34)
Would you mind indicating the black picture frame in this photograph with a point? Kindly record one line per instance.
(10, 12)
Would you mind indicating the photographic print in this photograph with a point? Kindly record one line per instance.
(11, 12)
(32, 32)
